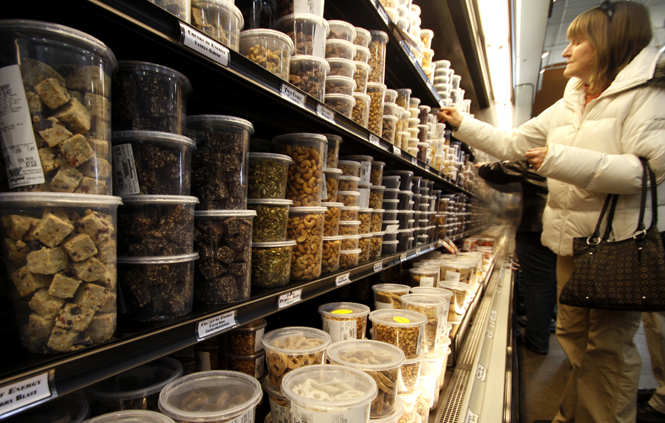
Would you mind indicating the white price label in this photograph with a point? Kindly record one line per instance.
(427, 281)
(490, 334)
(419, 250)
(378, 267)
(402, 258)
(293, 95)
(374, 140)
(25, 392)
(397, 151)
(491, 324)
(414, 160)
(289, 298)
(429, 169)
(203, 44)
(471, 417)
(343, 279)
(382, 12)
(209, 327)
(493, 315)
(481, 373)
(325, 112)
(125, 179)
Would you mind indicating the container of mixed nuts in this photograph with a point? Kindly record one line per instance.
(364, 246)
(376, 245)
(252, 365)
(340, 85)
(246, 339)
(360, 76)
(362, 55)
(433, 308)
(376, 196)
(341, 103)
(342, 49)
(341, 30)
(331, 248)
(341, 67)
(365, 166)
(344, 321)
(305, 179)
(349, 227)
(402, 328)
(219, 19)
(308, 73)
(308, 32)
(377, 220)
(376, 90)
(388, 130)
(306, 228)
(349, 198)
(269, 48)
(271, 263)
(360, 113)
(331, 175)
(268, 174)
(332, 218)
(377, 59)
(365, 218)
(388, 295)
(332, 150)
(349, 258)
(271, 219)
(379, 360)
(363, 37)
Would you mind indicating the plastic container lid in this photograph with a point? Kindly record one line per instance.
(301, 136)
(376, 86)
(358, 158)
(345, 26)
(270, 339)
(223, 120)
(399, 172)
(390, 118)
(304, 16)
(349, 193)
(298, 210)
(379, 34)
(332, 204)
(264, 32)
(391, 287)
(350, 353)
(332, 170)
(398, 318)
(132, 65)
(344, 62)
(378, 210)
(155, 136)
(442, 64)
(131, 416)
(159, 199)
(378, 187)
(305, 57)
(350, 223)
(349, 178)
(275, 244)
(47, 199)
(158, 260)
(343, 310)
(367, 210)
(215, 383)
(225, 213)
(272, 156)
(427, 32)
(337, 237)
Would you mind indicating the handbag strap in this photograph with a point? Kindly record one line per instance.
(610, 199)
(654, 193)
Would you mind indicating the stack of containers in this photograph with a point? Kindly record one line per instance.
(443, 80)
(219, 19)
(58, 215)
(403, 100)
(332, 241)
(340, 52)
(360, 113)
(244, 349)
(391, 116)
(397, 222)
(390, 222)
(376, 87)
(354, 218)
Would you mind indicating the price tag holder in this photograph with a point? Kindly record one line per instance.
(428, 168)
(419, 250)
(25, 392)
(215, 325)
(490, 334)
(414, 161)
(493, 315)
(378, 267)
(397, 151)
(343, 279)
(402, 258)
(203, 44)
(374, 140)
(293, 95)
(481, 373)
(382, 12)
(325, 112)
(289, 298)
(471, 417)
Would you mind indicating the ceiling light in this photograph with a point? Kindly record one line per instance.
(544, 55)
(542, 71)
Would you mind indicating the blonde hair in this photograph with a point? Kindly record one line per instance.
(617, 40)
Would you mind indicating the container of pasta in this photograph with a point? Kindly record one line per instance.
(215, 396)
(388, 295)
(326, 393)
(402, 328)
(380, 361)
(344, 321)
(293, 347)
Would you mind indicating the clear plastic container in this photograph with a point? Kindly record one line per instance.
(376, 92)
(393, 417)
(360, 76)
(364, 245)
(391, 194)
(180, 8)
(349, 227)
(341, 103)
(390, 204)
(71, 408)
(332, 245)
(348, 183)
(388, 128)
(390, 215)
(433, 308)
(455, 81)
(271, 264)
(279, 405)
(377, 220)
(404, 197)
(442, 64)
(377, 59)
(340, 49)
(350, 242)
(300, 6)
(341, 67)
(428, 53)
(391, 181)
(362, 55)
(332, 150)
(376, 196)
(380, 361)
(389, 247)
(403, 97)
(252, 364)
(246, 339)
(307, 152)
(290, 348)
(349, 258)
(223, 272)
(349, 198)
(376, 172)
(409, 401)
(267, 175)
(406, 177)
(341, 30)
(306, 227)
(219, 19)
(364, 189)
(365, 218)
(269, 48)
(332, 218)
(309, 74)
(132, 416)
(360, 113)
(409, 374)
(376, 245)
(59, 254)
(162, 107)
(363, 37)
(331, 184)
(391, 109)
(196, 397)
(426, 36)
(340, 85)
(458, 302)
(308, 32)
(349, 213)
(402, 328)
(344, 321)
(156, 225)
(136, 389)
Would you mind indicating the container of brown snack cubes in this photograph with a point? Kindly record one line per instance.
(305, 180)
(59, 253)
(308, 73)
(269, 48)
(219, 164)
(149, 97)
(308, 32)
(61, 84)
(223, 240)
(220, 19)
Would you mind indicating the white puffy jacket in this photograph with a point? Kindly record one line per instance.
(593, 150)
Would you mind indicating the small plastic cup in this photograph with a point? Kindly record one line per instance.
(349, 167)
(341, 67)
(344, 321)
(336, 48)
(306, 227)
(361, 75)
(426, 36)
(332, 218)
(364, 244)
(271, 264)
(406, 177)
(308, 32)
(377, 58)
(350, 242)
(433, 308)
(267, 175)
(341, 30)
(403, 97)
(391, 194)
(365, 166)
(221, 20)
(375, 90)
(307, 152)
(349, 258)
(376, 245)
(388, 128)
(340, 85)
(391, 181)
(365, 218)
(309, 74)
(341, 103)
(402, 328)
(363, 37)
(271, 219)
(349, 213)
(269, 48)
(390, 204)
(332, 246)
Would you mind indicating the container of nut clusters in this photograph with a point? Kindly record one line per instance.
(269, 48)
(220, 19)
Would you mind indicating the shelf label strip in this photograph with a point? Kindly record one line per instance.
(402, 258)
(324, 112)
(23, 393)
(481, 373)
(343, 279)
(378, 267)
(203, 44)
(374, 140)
(289, 298)
(215, 325)
(397, 151)
(293, 95)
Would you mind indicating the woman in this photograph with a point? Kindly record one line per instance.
(587, 145)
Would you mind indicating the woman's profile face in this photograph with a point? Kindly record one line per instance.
(580, 54)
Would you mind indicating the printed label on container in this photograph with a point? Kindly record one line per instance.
(25, 392)
(259, 366)
(324, 187)
(471, 417)
(305, 415)
(325, 113)
(427, 281)
(203, 44)
(363, 200)
(280, 413)
(293, 95)
(125, 179)
(382, 306)
(451, 276)
(289, 298)
(217, 324)
(19, 148)
(340, 330)
(248, 417)
(365, 171)
(258, 336)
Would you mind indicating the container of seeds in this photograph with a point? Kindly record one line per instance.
(402, 328)
(344, 321)
(307, 152)
(409, 374)
(271, 219)
(271, 263)
(332, 246)
(267, 176)
(388, 295)
(246, 339)
(269, 48)
(433, 308)
(308, 73)
(332, 176)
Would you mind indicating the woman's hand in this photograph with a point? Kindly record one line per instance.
(450, 115)
(536, 157)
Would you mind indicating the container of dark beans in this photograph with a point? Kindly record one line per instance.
(223, 240)
(152, 163)
(219, 164)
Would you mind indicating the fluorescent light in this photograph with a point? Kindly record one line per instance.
(544, 55)
(542, 71)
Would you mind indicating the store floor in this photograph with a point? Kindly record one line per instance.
(544, 378)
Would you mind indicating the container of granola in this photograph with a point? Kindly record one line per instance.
(344, 321)
(293, 347)
(308, 73)
(380, 361)
(305, 179)
(246, 339)
(361, 75)
(402, 328)
(267, 175)
(433, 308)
(341, 67)
(409, 374)
(349, 167)
(332, 245)
(220, 19)
(214, 396)
(308, 32)
(388, 295)
(271, 263)
(269, 48)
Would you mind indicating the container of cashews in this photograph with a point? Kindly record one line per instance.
(329, 393)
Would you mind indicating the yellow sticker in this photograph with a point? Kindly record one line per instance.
(401, 320)
(342, 311)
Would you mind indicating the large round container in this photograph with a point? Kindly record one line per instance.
(59, 253)
(271, 219)
(433, 308)
(344, 321)
(156, 225)
(223, 241)
(402, 328)
(219, 164)
(215, 396)
(306, 228)
(132, 416)
(268, 174)
(388, 295)
(293, 347)
(63, 113)
(271, 263)
(269, 48)
(71, 408)
(136, 389)
(149, 97)
(308, 32)
(309, 74)
(332, 246)
(329, 391)
(305, 180)
(220, 19)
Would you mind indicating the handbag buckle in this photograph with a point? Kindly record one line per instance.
(640, 234)
(590, 242)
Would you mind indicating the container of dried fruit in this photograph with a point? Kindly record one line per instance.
(341, 30)
(308, 32)
(309, 74)
(375, 90)
(376, 245)
(306, 228)
(349, 227)
(336, 48)
(267, 175)
(332, 176)
(325, 391)
(361, 75)
(136, 389)
(129, 416)
(390, 247)
(221, 395)
(219, 163)
(305, 179)
(269, 48)
(365, 218)
(65, 111)
(59, 253)
(376, 196)
(388, 130)
(246, 339)
(349, 258)
(220, 19)
(409, 374)
(344, 321)
(332, 245)
(402, 328)
(279, 409)
(433, 308)
(363, 37)
(271, 219)
(362, 55)
(271, 263)
(252, 365)
(341, 67)
(377, 59)
(162, 107)
(340, 85)
(349, 198)
(364, 246)
(156, 225)
(341, 103)
(293, 347)
(223, 240)
(380, 361)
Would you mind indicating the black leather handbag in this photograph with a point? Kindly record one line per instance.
(621, 275)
